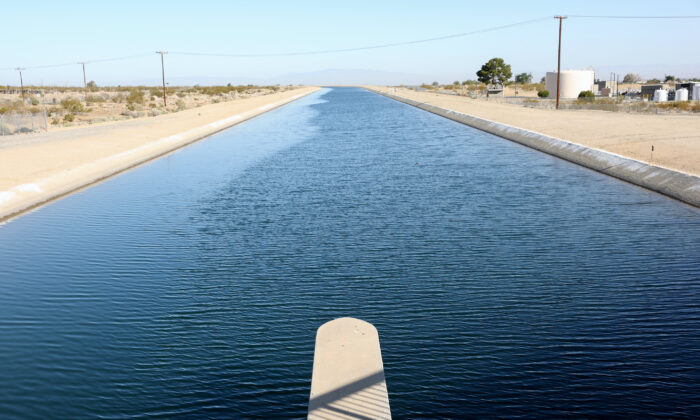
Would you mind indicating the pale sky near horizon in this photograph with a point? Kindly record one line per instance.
(46, 32)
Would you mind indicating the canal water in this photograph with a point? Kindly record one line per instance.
(503, 281)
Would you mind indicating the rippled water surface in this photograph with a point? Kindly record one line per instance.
(503, 282)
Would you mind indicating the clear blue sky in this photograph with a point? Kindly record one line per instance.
(50, 32)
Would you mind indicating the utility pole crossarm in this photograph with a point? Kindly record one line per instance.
(561, 18)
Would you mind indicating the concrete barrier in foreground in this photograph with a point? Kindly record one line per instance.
(678, 185)
(348, 377)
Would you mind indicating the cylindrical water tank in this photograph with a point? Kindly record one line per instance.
(660, 95)
(572, 83)
(682, 94)
(696, 92)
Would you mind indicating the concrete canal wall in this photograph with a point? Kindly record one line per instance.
(678, 185)
(35, 192)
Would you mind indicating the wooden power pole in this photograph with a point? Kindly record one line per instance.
(84, 81)
(21, 82)
(561, 18)
(162, 68)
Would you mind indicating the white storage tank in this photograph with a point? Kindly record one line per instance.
(682, 94)
(572, 83)
(696, 92)
(660, 95)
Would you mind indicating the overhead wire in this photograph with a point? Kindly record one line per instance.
(363, 48)
(370, 47)
(633, 17)
(73, 63)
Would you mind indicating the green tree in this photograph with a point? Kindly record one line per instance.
(435, 83)
(91, 85)
(494, 71)
(523, 78)
(586, 94)
(631, 78)
(669, 78)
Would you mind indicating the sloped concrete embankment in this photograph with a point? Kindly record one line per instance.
(25, 197)
(678, 185)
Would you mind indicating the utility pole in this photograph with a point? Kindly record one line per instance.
(162, 67)
(84, 81)
(21, 82)
(559, 57)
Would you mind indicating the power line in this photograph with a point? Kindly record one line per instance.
(632, 17)
(370, 47)
(341, 50)
(72, 63)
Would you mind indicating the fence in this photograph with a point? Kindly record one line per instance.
(15, 123)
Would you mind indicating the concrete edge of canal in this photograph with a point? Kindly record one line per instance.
(30, 196)
(678, 185)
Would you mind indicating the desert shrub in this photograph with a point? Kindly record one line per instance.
(72, 105)
(151, 105)
(681, 106)
(180, 104)
(16, 106)
(95, 98)
(586, 94)
(68, 118)
(33, 100)
(55, 121)
(130, 114)
(544, 93)
(135, 97)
